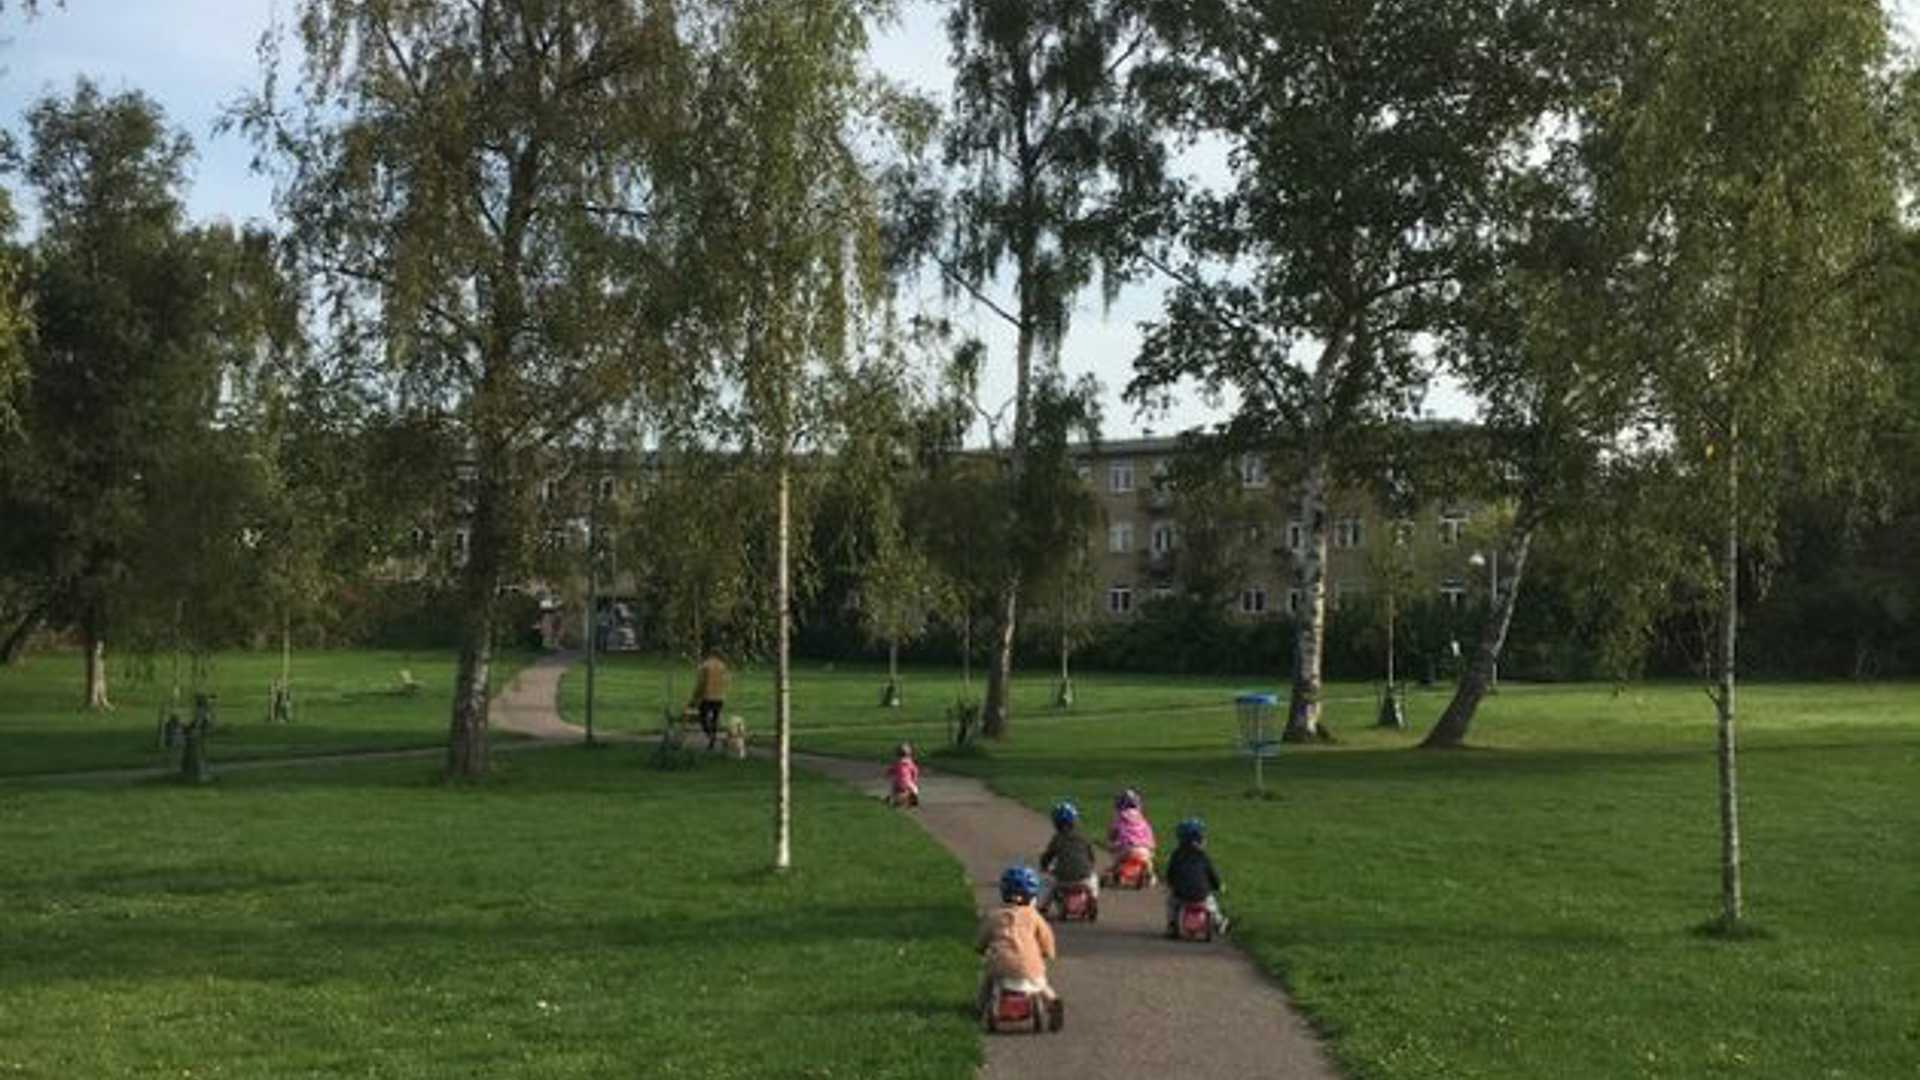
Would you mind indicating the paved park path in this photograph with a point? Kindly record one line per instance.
(1138, 1005)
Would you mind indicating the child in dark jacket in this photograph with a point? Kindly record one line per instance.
(1191, 878)
(1069, 855)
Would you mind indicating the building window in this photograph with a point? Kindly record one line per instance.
(1453, 592)
(556, 540)
(1293, 601)
(1162, 539)
(549, 491)
(1120, 600)
(1347, 533)
(1120, 537)
(460, 547)
(1253, 601)
(606, 487)
(422, 539)
(1253, 471)
(1296, 536)
(1120, 477)
(1453, 524)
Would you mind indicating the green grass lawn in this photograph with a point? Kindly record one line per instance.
(1524, 909)
(580, 915)
(344, 701)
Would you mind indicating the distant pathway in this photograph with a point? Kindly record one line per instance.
(530, 704)
(1138, 1005)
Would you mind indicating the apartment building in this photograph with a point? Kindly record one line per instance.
(1141, 544)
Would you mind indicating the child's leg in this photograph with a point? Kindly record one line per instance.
(1173, 913)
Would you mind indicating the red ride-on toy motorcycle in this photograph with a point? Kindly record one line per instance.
(1196, 923)
(1014, 1007)
(1076, 901)
(1134, 872)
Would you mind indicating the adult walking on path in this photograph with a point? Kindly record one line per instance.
(710, 694)
(1141, 1005)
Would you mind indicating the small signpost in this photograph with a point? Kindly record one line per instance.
(1257, 735)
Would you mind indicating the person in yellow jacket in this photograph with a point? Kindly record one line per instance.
(710, 695)
(1017, 943)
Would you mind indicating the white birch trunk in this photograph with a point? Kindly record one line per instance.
(782, 691)
(1310, 626)
(1730, 899)
(97, 673)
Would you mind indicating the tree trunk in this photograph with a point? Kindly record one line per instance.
(16, 641)
(1310, 627)
(1390, 618)
(1730, 900)
(999, 704)
(783, 686)
(467, 734)
(998, 711)
(96, 645)
(1451, 731)
(1310, 636)
(966, 653)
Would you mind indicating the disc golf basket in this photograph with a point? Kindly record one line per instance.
(1259, 738)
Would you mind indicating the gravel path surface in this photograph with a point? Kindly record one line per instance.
(1138, 1005)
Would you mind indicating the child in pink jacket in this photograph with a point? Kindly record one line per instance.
(1130, 836)
(904, 778)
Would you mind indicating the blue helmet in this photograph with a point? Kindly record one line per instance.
(1191, 831)
(1019, 882)
(1127, 800)
(1065, 813)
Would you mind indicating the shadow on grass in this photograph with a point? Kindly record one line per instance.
(1159, 764)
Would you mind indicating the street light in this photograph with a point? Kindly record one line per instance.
(1492, 562)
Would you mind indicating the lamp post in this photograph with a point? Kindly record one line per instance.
(1492, 562)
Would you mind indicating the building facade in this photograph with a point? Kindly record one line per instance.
(1143, 550)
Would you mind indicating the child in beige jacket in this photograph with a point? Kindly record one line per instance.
(1017, 943)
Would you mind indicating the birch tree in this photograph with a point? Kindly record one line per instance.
(1556, 394)
(482, 196)
(1364, 141)
(122, 368)
(788, 209)
(1046, 156)
(1760, 151)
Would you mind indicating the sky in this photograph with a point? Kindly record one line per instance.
(195, 57)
